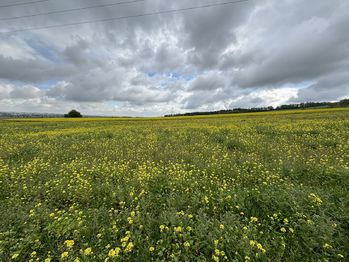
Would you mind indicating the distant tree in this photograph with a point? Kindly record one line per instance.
(73, 113)
(344, 102)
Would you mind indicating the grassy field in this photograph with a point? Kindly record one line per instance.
(249, 187)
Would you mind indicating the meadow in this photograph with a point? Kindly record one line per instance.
(245, 187)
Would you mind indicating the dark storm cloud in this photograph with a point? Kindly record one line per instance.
(247, 54)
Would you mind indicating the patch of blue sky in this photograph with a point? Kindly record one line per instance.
(44, 50)
(172, 75)
(47, 84)
(151, 74)
(301, 85)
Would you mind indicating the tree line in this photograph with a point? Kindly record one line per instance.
(341, 103)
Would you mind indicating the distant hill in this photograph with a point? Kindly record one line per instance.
(28, 115)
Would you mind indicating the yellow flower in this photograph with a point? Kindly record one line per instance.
(33, 254)
(178, 229)
(189, 228)
(77, 260)
(186, 244)
(162, 227)
(47, 260)
(215, 242)
(340, 255)
(114, 252)
(64, 255)
(221, 226)
(260, 247)
(125, 239)
(87, 251)
(310, 222)
(252, 242)
(216, 259)
(69, 243)
(129, 247)
(254, 219)
(283, 230)
(151, 249)
(327, 246)
(247, 258)
(285, 221)
(315, 199)
(130, 220)
(14, 256)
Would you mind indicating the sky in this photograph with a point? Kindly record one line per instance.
(246, 54)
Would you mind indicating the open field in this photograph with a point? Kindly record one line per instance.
(244, 187)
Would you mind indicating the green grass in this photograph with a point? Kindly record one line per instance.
(243, 187)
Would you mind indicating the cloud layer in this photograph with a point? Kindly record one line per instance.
(252, 53)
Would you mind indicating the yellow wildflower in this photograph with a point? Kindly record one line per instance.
(14, 256)
(215, 258)
(129, 247)
(178, 229)
(69, 243)
(125, 239)
(87, 251)
(64, 255)
(114, 252)
(315, 199)
(260, 247)
(162, 227)
(327, 246)
(130, 220)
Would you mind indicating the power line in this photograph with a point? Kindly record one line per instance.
(125, 17)
(24, 3)
(71, 10)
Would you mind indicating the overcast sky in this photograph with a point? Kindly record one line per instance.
(247, 54)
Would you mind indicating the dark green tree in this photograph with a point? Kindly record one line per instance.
(73, 113)
(344, 102)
